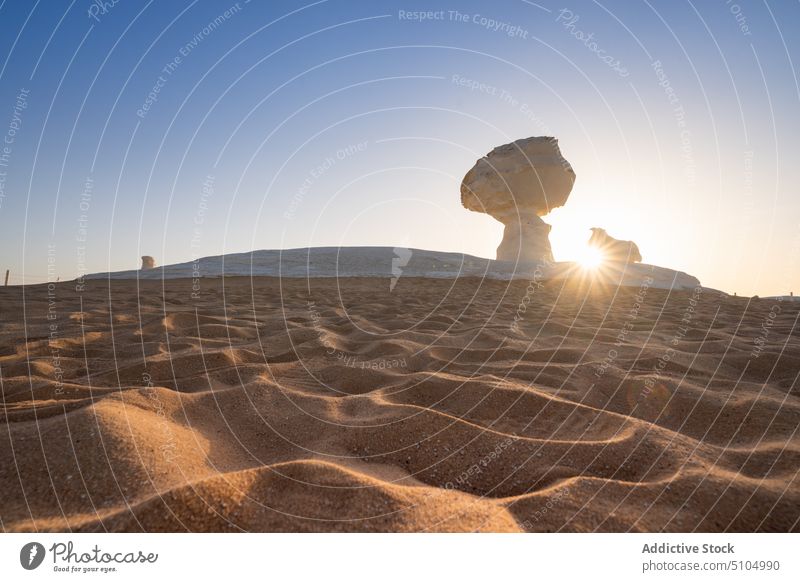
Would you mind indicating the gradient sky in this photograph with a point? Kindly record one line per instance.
(286, 124)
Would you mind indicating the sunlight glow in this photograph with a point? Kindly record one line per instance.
(590, 258)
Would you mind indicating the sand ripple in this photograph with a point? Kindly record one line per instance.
(337, 405)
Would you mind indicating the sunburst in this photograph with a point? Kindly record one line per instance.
(591, 258)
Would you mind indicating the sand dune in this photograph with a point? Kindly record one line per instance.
(464, 404)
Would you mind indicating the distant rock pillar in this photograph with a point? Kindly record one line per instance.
(148, 262)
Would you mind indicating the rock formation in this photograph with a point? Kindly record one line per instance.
(615, 251)
(517, 183)
(148, 262)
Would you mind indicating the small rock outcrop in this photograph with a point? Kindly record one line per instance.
(614, 251)
(517, 184)
(148, 262)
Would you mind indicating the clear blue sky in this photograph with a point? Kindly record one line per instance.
(352, 123)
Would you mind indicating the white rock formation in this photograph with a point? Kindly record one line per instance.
(378, 262)
(517, 183)
(148, 262)
(615, 251)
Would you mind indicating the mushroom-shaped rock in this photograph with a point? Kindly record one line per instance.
(615, 251)
(517, 183)
(148, 262)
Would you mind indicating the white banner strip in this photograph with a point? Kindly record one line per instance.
(389, 557)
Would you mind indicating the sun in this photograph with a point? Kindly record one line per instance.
(590, 258)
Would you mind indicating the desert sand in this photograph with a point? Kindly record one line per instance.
(268, 404)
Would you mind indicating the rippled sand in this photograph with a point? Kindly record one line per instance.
(339, 405)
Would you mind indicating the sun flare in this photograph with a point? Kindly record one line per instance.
(590, 258)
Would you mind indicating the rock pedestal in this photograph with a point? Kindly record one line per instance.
(526, 239)
(517, 183)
